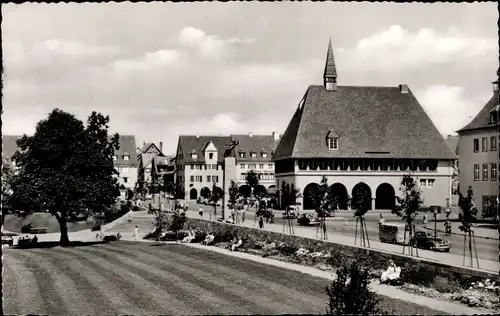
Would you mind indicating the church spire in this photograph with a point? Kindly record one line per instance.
(330, 74)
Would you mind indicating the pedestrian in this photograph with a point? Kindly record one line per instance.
(425, 220)
(233, 215)
(447, 226)
(242, 216)
(261, 222)
(136, 232)
(381, 220)
(129, 219)
(200, 211)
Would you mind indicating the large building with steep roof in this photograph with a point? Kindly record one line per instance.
(478, 149)
(362, 136)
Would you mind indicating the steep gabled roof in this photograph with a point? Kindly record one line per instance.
(188, 143)
(453, 143)
(145, 147)
(369, 122)
(145, 159)
(9, 145)
(257, 144)
(482, 119)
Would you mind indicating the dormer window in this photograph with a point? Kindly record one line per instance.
(253, 155)
(242, 154)
(333, 143)
(126, 157)
(211, 156)
(114, 157)
(494, 114)
(264, 155)
(194, 155)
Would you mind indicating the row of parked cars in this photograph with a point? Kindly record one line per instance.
(205, 201)
(397, 234)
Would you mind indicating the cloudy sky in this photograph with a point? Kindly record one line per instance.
(163, 69)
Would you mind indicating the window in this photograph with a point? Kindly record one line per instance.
(494, 201)
(209, 166)
(264, 155)
(333, 143)
(215, 179)
(114, 157)
(198, 179)
(493, 171)
(484, 142)
(261, 166)
(493, 143)
(198, 167)
(126, 157)
(485, 171)
(430, 183)
(148, 170)
(243, 176)
(242, 166)
(270, 166)
(242, 154)
(486, 202)
(214, 167)
(423, 182)
(192, 167)
(192, 178)
(208, 178)
(476, 172)
(205, 167)
(493, 117)
(125, 179)
(476, 145)
(427, 183)
(253, 155)
(252, 166)
(211, 156)
(194, 155)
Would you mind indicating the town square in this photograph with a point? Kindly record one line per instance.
(250, 158)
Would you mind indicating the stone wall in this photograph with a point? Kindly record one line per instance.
(377, 259)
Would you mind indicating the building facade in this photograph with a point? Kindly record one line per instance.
(478, 160)
(360, 136)
(254, 152)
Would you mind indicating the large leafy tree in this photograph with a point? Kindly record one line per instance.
(7, 175)
(65, 169)
(408, 205)
(252, 179)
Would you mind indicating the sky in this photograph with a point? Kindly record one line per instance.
(161, 70)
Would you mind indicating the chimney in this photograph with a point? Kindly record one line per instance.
(250, 134)
(161, 147)
(403, 88)
(276, 135)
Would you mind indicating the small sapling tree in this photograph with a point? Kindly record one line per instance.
(215, 197)
(469, 215)
(361, 202)
(408, 205)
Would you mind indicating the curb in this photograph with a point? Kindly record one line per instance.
(458, 234)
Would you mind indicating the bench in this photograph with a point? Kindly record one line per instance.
(38, 230)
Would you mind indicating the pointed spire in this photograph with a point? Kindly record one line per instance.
(330, 69)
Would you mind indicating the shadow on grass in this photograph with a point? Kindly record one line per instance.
(52, 244)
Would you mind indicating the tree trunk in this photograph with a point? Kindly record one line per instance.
(64, 241)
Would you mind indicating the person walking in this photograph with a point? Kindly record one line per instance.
(381, 220)
(136, 232)
(200, 212)
(242, 216)
(261, 222)
(447, 226)
(425, 220)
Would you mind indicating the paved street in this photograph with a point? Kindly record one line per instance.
(344, 224)
(141, 278)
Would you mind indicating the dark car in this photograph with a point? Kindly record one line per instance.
(426, 240)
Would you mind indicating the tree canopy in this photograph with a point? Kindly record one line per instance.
(361, 200)
(469, 210)
(7, 175)
(252, 179)
(233, 194)
(65, 169)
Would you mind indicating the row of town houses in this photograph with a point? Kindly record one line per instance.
(354, 135)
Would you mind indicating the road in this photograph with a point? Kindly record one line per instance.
(345, 224)
(138, 278)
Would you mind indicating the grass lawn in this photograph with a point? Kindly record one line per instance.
(137, 278)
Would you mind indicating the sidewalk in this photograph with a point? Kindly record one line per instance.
(310, 232)
(479, 232)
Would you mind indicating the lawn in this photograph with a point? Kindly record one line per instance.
(137, 278)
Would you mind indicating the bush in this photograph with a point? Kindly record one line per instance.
(417, 276)
(349, 292)
(97, 226)
(286, 249)
(178, 221)
(199, 235)
(26, 229)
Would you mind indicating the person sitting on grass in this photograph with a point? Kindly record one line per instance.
(189, 238)
(391, 275)
(209, 239)
(238, 242)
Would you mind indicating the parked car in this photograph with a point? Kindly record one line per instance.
(393, 233)
(426, 240)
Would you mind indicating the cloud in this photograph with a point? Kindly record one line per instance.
(449, 108)
(148, 61)
(396, 49)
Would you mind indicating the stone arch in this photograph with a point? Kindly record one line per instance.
(357, 189)
(193, 194)
(385, 197)
(307, 196)
(205, 192)
(339, 191)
